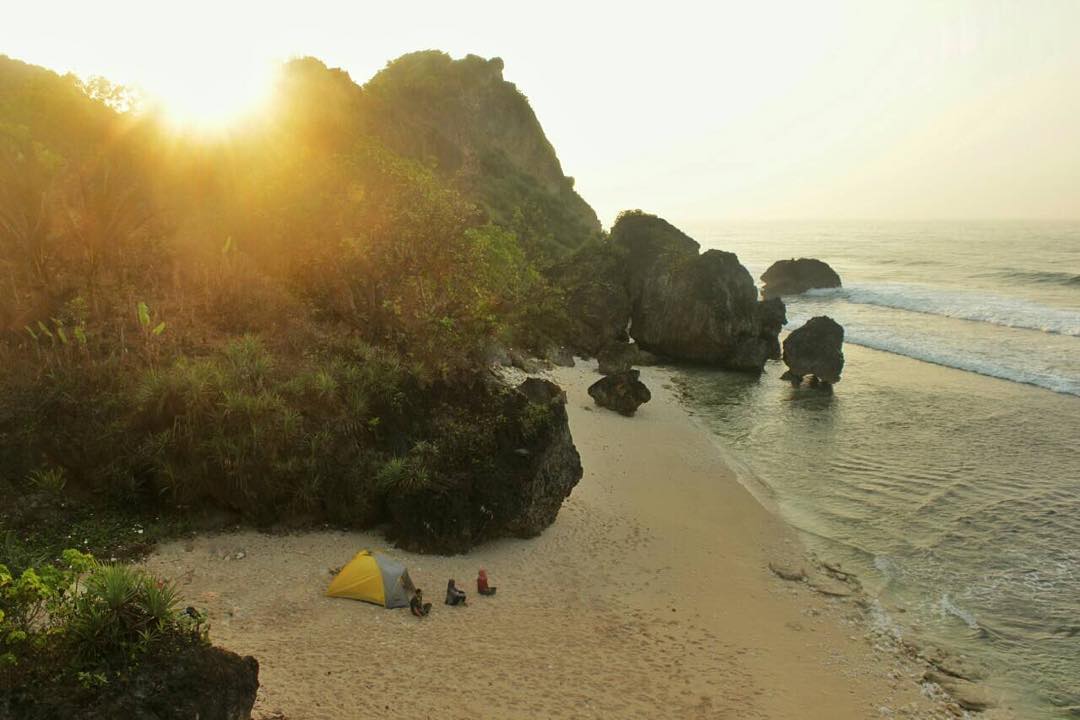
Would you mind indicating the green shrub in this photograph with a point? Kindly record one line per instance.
(85, 623)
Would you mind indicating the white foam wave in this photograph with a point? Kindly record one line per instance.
(914, 348)
(964, 305)
(992, 359)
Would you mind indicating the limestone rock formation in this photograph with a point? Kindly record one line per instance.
(536, 484)
(792, 277)
(679, 304)
(622, 392)
(815, 349)
(649, 244)
(702, 308)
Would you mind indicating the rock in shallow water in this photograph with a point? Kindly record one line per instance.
(793, 277)
(622, 392)
(815, 349)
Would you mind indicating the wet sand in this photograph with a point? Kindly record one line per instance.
(650, 596)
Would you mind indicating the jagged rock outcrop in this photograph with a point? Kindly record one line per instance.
(622, 392)
(196, 681)
(792, 277)
(514, 487)
(772, 316)
(649, 244)
(539, 480)
(815, 349)
(679, 304)
(702, 308)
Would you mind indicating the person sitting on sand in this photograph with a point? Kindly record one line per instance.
(482, 586)
(453, 595)
(417, 606)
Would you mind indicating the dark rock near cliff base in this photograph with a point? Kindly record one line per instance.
(524, 363)
(679, 304)
(792, 277)
(617, 357)
(559, 355)
(622, 392)
(815, 349)
(534, 494)
(772, 316)
(646, 358)
(510, 479)
(703, 309)
(542, 392)
(649, 243)
(194, 681)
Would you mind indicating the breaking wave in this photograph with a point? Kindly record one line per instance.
(974, 306)
(920, 349)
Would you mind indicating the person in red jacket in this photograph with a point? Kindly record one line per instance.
(482, 586)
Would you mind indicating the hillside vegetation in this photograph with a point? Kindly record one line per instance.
(287, 323)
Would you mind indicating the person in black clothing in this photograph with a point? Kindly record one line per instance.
(417, 606)
(453, 595)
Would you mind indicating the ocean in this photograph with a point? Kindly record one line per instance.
(944, 469)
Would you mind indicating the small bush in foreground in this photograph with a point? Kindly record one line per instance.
(85, 624)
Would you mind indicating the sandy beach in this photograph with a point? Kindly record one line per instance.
(650, 596)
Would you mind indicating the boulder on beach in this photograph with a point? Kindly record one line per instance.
(515, 489)
(536, 484)
(815, 349)
(793, 277)
(622, 392)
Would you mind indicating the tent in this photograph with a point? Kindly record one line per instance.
(374, 579)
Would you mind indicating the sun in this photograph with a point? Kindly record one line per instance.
(210, 98)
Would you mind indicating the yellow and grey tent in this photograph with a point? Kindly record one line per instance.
(375, 579)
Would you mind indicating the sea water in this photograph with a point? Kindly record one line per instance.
(945, 467)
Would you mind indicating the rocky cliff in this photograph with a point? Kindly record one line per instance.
(480, 132)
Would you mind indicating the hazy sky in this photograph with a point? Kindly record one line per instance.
(697, 111)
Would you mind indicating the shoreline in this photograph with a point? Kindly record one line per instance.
(650, 595)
